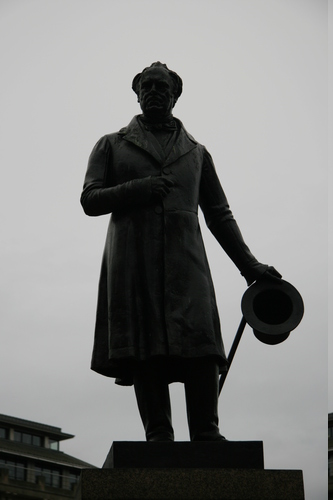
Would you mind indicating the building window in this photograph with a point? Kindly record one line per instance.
(17, 436)
(73, 480)
(51, 476)
(36, 440)
(330, 432)
(17, 470)
(3, 433)
(26, 438)
(54, 445)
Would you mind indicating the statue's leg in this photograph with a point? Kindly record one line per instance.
(201, 390)
(153, 399)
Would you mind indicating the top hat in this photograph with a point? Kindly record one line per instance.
(273, 308)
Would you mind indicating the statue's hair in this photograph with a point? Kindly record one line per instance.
(177, 81)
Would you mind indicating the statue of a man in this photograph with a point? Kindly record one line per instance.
(157, 320)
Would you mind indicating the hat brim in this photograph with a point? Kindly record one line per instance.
(273, 308)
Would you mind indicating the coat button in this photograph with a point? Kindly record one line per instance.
(158, 209)
(166, 170)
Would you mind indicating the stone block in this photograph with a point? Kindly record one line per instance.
(191, 484)
(225, 470)
(219, 454)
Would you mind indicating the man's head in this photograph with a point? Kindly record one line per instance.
(158, 89)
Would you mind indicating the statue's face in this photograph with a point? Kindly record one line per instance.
(156, 96)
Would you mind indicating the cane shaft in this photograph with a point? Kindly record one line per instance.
(232, 352)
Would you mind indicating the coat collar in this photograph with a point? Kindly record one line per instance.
(134, 133)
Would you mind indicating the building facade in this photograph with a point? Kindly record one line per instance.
(330, 456)
(31, 463)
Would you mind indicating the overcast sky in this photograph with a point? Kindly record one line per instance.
(255, 94)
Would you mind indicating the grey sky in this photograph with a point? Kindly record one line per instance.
(255, 94)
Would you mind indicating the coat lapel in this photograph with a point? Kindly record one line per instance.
(145, 140)
(182, 145)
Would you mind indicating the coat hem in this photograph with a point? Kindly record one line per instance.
(122, 369)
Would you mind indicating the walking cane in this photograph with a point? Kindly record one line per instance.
(233, 349)
(273, 309)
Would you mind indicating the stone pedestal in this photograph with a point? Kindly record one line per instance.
(199, 455)
(223, 470)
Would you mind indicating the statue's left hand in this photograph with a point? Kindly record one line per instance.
(262, 271)
(272, 274)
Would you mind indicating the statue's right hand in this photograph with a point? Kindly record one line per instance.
(160, 187)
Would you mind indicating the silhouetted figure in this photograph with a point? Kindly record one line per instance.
(157, 320)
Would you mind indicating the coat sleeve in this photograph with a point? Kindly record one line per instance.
(222, 224)
(98, 197)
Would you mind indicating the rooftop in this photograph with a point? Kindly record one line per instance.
(39, 453)
(19, 448)
(20, 423)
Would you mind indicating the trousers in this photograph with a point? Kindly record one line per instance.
(201, 377)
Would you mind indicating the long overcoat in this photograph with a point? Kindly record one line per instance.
(156, 296)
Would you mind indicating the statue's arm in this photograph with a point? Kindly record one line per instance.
(222, 224)
(97, 197)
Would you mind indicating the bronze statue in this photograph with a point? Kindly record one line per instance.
(157, 320)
